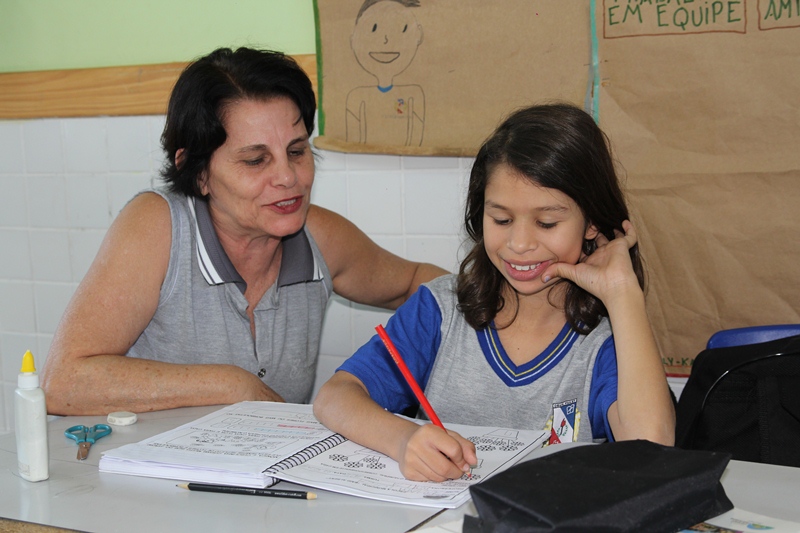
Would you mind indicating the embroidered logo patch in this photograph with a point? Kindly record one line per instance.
(565, 421)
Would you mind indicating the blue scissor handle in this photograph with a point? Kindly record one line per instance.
(98, 431)
(91, 434)
(76, 433)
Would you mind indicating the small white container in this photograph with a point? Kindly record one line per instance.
(30, 423)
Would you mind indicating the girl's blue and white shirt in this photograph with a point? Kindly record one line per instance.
(469, 379)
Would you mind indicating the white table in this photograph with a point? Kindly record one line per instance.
(78, 497)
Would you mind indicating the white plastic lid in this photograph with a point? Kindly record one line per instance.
(122, 418)
(28, 380)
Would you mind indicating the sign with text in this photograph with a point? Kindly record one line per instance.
(627, 18)
(774, 14)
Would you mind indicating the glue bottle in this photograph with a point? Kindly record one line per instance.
(30, 423)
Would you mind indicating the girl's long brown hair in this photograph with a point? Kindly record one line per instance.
(557, 146)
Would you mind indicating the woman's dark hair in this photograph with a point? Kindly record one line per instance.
(560, 147)
(203, 91)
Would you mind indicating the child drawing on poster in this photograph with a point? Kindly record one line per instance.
(385, 40)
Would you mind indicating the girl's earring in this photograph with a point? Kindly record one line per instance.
(589, 246)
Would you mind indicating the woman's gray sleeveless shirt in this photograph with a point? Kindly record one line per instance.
(202, 312)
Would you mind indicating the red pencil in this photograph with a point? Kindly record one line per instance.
(397, 358)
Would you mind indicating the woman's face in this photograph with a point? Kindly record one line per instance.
(259, 181)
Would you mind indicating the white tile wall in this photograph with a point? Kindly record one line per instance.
(62, 181)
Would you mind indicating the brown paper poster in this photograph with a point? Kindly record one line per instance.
(437, 76)
(700, 98)
(702, 102)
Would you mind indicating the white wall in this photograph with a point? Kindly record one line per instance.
(62, 181)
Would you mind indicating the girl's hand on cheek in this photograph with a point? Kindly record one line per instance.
(607, 272)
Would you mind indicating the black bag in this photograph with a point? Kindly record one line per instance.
(744, 400)
(613, 487)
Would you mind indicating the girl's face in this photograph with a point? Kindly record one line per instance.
(259, 180)
(526, 228)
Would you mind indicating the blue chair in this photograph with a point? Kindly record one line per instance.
(751, 335)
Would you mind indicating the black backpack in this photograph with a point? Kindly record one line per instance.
(744, 400)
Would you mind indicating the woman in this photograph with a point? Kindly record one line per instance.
(214, 291)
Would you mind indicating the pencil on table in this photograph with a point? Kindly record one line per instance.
(227, 489)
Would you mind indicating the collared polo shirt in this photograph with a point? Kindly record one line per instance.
(202, 312)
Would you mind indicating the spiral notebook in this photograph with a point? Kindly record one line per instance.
(257, 444)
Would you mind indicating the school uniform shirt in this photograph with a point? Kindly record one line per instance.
(202, 312)
(469, 379)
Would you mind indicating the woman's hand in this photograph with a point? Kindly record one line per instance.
(433, 454)
(257, 390)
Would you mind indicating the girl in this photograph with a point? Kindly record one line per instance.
(521, 337)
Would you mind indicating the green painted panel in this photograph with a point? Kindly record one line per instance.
(65, 34)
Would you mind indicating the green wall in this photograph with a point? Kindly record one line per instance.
(65, 34)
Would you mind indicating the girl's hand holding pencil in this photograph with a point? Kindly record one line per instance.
(429, 453)
(433, 454)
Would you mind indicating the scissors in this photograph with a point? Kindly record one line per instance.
(86, 436)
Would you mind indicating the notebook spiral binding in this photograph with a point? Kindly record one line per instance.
(306, 453)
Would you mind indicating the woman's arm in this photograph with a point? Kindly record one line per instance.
(644, 408)
(424, 453)
(86, 371)
(362, 271)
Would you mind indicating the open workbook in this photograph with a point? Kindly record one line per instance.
(257, 444)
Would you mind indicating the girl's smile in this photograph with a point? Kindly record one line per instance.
(522, 272)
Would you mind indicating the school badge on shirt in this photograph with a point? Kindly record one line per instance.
(564, 422)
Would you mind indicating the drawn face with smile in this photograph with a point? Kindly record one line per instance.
(385, 40)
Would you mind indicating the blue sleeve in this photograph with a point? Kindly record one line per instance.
(415, 330)
(603, 391)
